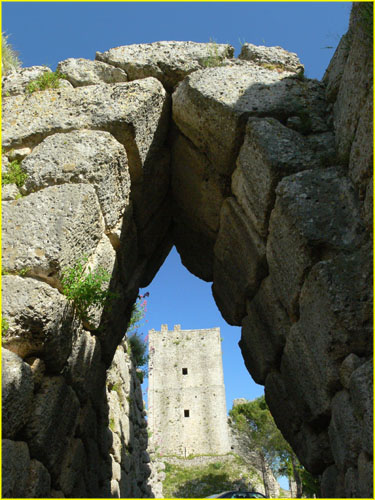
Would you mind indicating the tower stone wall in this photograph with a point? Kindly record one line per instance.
(187, 410)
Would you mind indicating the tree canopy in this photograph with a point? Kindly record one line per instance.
(255, 424)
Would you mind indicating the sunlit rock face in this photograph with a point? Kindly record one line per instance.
(262, 180)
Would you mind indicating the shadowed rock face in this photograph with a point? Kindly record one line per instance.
(238, 168)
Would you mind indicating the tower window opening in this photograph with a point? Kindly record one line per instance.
(186, 413)
(184, 371)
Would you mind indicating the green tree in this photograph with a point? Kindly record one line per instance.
(137, 347)
(257, 428)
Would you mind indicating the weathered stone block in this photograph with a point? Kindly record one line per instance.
(83, 156)
(365, 476)
(271, 58)
(316, 212)
(169, 62)
(17, 393)
(211, 106)
(47, 231)
(84, 370)
(270, 152)
(39, 482)
(16, 82)
(361, 152)
(197, 189)
(350, 363)
(135, 113)
(264, 332)
(344, 431)
(361, 394)
(52, 422)
(73, 466)
(239, 263)
(15, 468)
(80, 72)
(309, 390)
(40, 321)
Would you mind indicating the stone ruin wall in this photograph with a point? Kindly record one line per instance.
(186, 375)
(119, 171)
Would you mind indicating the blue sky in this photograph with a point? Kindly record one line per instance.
(46, 33)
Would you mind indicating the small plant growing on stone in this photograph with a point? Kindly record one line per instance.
(86, 288)
(4, 326)
(214, 59)
(45, 81)
(14, 175)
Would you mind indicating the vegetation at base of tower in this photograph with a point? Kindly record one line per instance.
(86, 288)
(137, 346)
(45, 81)
(14, 174)
(9, 57)
(228, 472)
(258, 430)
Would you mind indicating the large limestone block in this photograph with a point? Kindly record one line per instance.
(81, 72)
(365, 476)
(333, 74)
(211, 106)
(316, 212)
(270, 152)
(309, 389)
(83, 156)
(15, 83)
(47, 231)
(344, 431)
(239, 264)
(196, 249)
(84, 370)
(40, 321)
(52, 422)
(103, 258)
(361, 153)
(197, 189)
(355, 84)
(17, 392)
(336, 307)
(73, 466)
(264, 332)
(271, 57)
(135, 113)
(149, 193)
(15, 468)
(361, 394)
(169, 61)
(39, 482)
(310, 444)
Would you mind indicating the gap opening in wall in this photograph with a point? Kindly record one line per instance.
(177, 297)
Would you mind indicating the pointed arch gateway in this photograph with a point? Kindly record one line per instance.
(238, 169)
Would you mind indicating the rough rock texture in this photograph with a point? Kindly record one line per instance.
(271, 58)
(261, 178)
(17, 392)
(169, 62)
(83, 156)
(81, 72)
(16, 83)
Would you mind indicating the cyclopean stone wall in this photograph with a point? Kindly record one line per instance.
(260, 177)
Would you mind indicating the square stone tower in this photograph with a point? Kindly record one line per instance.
(186, 395)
